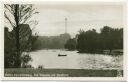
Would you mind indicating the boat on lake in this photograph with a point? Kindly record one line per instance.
(62, 55)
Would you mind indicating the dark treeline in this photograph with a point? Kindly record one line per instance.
(51, 42)
(93, 42)
(26, 42)
(71, 44)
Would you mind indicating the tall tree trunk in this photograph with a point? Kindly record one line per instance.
(18, 54)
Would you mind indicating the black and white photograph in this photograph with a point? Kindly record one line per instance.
(64, 39)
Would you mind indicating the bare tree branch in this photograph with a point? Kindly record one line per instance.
(6, 6)
(12, 24)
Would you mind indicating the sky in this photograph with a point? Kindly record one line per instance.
(51, 17)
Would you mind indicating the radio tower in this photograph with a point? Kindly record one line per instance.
(66, 25)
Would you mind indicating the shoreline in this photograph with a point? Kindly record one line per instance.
(83, 52)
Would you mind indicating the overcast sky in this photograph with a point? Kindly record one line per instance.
(80, 16)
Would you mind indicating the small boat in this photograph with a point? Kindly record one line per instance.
(62, 55)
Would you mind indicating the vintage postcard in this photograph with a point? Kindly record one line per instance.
(64, 40)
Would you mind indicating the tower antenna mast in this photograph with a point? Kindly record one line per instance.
(66, 25)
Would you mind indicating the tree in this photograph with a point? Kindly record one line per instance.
(8, 49)
(87, 41)
(25, 59)
(111, 38)
(107, 42)
(108, 39)
(17, 15)
(71, 44)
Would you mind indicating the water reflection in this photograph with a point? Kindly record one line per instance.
(74, 60)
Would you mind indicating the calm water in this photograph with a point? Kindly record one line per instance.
(74, 60)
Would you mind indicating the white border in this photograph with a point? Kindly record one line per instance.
(124, 2)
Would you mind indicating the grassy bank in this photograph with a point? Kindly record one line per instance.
(29, 72)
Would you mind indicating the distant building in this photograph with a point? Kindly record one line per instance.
(52, 42)
(65, 36)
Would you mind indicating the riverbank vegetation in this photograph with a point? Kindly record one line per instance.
(51, 42)
(93, 42)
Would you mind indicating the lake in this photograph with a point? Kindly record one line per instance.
(49, 59)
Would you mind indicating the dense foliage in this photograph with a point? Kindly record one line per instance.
(93, 42)
(26, 42)
(19, 39)
(71, 44)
